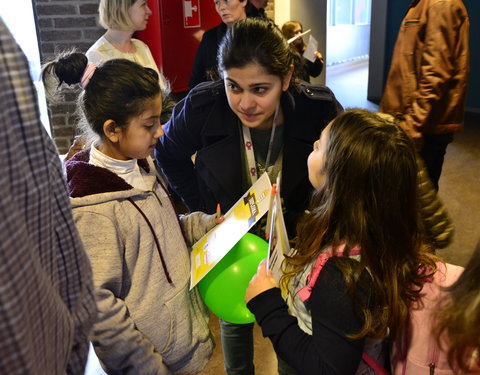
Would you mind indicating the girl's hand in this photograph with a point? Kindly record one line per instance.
(219, 220)
(260, 282)
(318, 55)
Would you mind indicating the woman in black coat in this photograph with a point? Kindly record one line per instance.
(229, 124)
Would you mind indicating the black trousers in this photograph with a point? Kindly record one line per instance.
(433, 154)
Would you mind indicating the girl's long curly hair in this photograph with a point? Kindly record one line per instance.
(369, 199)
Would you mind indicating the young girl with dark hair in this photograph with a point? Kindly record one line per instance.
(363, 229)
(257, 118)
(149, 322)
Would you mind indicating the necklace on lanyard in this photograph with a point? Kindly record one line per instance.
(248, 144)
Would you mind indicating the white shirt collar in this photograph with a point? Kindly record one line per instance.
(126, 169)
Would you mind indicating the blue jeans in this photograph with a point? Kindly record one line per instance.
(237, 345)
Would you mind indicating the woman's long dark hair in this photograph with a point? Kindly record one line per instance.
(258, 41)
(369, 199)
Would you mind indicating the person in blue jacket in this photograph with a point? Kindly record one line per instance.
(258, 118)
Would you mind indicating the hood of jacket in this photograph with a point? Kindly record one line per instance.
(97, 183)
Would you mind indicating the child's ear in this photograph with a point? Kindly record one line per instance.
(111, 130)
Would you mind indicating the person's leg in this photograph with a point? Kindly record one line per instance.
(433, 154)
(237, 345)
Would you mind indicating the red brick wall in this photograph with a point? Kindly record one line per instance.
(64, 24)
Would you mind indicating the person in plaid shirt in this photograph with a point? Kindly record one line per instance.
(47, 305)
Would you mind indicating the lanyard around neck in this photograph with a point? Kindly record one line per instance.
(248, 144)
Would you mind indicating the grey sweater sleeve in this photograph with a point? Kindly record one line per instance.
(195, 225)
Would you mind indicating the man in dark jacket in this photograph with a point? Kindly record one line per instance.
(427, 82)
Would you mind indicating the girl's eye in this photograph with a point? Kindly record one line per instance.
(151, 124)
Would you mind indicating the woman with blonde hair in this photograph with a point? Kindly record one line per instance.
(122, 18)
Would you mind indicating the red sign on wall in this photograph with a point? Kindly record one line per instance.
(191, 13)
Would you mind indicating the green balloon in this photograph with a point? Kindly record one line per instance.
(223, 288)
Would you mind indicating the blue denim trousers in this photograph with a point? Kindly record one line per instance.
(237, 346)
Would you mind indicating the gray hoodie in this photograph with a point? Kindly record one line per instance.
(148, 320)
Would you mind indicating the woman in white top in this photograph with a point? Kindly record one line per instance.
(122, 18)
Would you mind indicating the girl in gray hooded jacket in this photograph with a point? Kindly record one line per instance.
(149, 322)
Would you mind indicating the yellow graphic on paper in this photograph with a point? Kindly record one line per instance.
(212, 247)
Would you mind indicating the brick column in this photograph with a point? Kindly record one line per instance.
(270, 9)
(63, 25)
